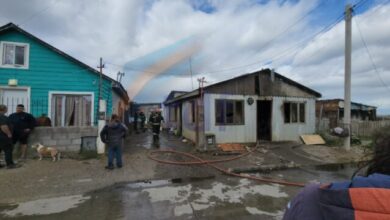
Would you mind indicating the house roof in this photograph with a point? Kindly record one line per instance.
(196, 92)
(13, 27)
(363, 106)
(277, 75)
(174, 94)
(119, 90)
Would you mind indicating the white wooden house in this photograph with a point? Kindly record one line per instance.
(263, 105)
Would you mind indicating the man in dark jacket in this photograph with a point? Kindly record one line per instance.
(155, 120)
(6, 138)
(22, 124)
(142, 118)
(112, 135)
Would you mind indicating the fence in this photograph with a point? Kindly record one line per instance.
(64, 138)
(359, 128)
(36, 107)
(367, 128)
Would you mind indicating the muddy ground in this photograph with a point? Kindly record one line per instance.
(83, 182)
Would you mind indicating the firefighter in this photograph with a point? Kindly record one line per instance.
(155, 120)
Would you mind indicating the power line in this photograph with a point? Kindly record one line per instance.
(37, 13)
(278, 56)
(359, 4)
(192, 79)
(267, 44)
(370, 56)
(274, 57)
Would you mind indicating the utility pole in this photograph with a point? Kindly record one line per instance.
(102, 108)
(119, 76)
(347, 81)
(192, 80)
(200, 111)
(101, 66)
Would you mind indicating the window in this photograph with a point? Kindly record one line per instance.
(71, 110)
(302, 112)
(14, 55)
(294, 112)
(229, 112)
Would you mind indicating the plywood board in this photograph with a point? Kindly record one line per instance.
(311, 139)
(232, 147)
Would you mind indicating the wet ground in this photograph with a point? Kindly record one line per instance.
(182, 192)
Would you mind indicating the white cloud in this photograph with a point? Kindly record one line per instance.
(235, 34)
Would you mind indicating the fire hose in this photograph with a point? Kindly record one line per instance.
(210, 163)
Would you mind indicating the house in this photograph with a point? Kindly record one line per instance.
(120, 102)
(147, 108)
(333, 110)
(171, 113)
(263, 105)
(49, 81)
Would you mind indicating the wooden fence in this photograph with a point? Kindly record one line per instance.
(367, 128)
(359, 128)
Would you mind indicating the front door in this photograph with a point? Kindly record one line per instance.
(264, 115)
(12, 97)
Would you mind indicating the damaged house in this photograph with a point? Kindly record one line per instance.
(333, 110)
(263, 105)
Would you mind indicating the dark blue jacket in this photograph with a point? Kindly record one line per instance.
(359, 199)
(113, 134)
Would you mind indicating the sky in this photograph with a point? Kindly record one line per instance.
(165, 45)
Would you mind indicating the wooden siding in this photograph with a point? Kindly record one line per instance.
(245, 133)
(50, 71)
(241, 86)
(282, 131)
(246, 85)
(280, 88)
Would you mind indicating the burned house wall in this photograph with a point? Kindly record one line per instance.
(244, 85)
(189, 122)
(282, 131)
(237, 133)
(276, 86)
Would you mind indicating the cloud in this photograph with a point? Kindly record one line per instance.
(236, 37)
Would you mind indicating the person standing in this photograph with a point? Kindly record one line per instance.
(113, 135)
(136, 122)
(155, 119)
(22, 124)
(6, 138)
(142, 118)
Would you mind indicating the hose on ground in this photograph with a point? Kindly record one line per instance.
(210, 163)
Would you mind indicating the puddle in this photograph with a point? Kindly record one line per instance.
(149, 184)
(256, 211)
(159, 183)
(83, 180)
(46, 206)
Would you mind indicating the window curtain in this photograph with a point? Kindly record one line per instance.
(75, 112)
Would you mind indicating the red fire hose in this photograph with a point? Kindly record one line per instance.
(210, 163)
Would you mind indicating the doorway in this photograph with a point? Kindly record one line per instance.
(264, 115)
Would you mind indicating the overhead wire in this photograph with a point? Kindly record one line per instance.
(34, 15)
(370, 56)
(294, 47)
(267, 44)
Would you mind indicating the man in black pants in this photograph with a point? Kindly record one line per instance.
(6, 138)
(22, 124)
(155, 120)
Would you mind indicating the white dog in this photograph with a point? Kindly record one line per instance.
(47, 151)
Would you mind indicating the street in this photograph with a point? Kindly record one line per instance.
(177, 192)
